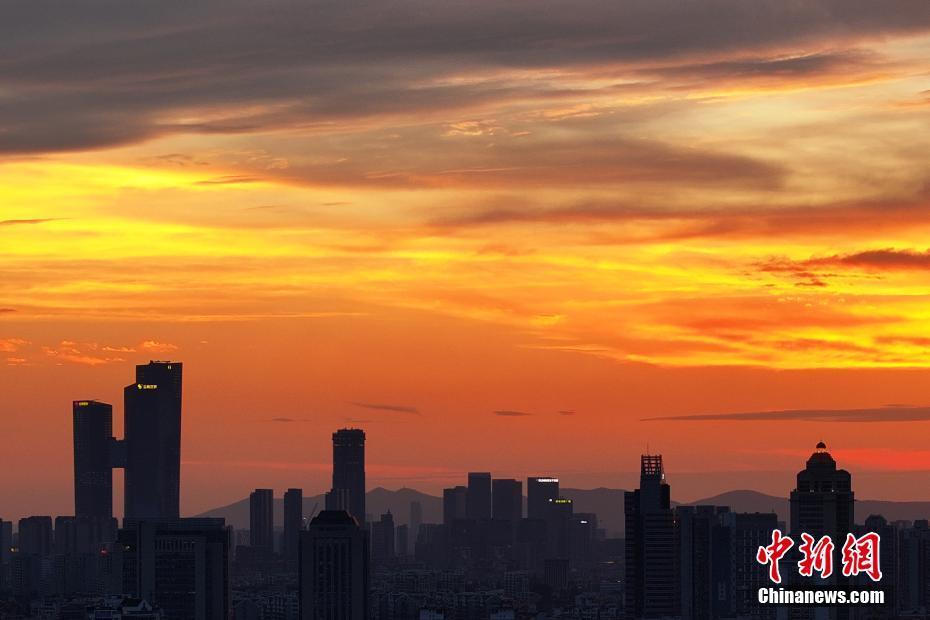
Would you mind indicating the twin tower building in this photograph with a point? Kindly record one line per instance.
(149, 453)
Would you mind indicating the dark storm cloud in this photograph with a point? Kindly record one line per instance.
(388, 408)
(102, 73)
(878, 414)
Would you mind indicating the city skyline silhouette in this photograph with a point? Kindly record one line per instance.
(687, 561)
(620, 479)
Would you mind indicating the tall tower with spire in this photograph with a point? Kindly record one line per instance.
(650, 547)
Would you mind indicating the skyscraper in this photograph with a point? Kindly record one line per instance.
(416, 518)
(153, 441)
(822, 503)
(36, 536)
(652, 587)
(478, 499)
(78, 543)
(913, 587)
(293, 523)
(748, 532)
(560, 514)
(336, 499)
(704, 539)
(540, 493)
(179, 565)
(29, 577)
(261, 520)
(349, 469)
(83, 535)
(402, 545)
(93, 473)
(333, 569)
(6, 542)
(507, 499)
(382, 538)
(453, 504)
(889, 557)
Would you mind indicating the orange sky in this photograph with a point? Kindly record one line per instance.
(495, 235)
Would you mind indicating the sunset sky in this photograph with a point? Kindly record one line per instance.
(496, 235)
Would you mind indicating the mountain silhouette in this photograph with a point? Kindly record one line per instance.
(377, 502)
(748, 501)
(753, 501)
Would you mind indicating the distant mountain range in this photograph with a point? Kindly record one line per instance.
(607, 504)
(377, 502)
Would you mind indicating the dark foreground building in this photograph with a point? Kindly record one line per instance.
(478, 495)
(333, 568)
(293, 523)
(180, 565)
(541, 491)
(507, 504)
(261, 520)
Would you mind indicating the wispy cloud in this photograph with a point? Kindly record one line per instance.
(887, 258)
(27, 222)
(511, 413)
(229, 180)
(11, 345)
(388, 408)
(87, 353)
(74, 355)
(894, 413)
(153, 346)
(814, 269)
